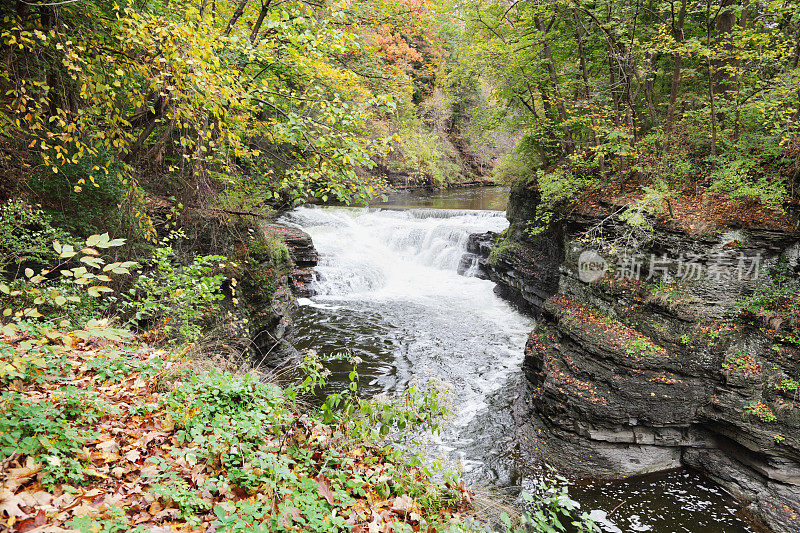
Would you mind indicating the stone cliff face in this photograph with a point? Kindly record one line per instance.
(629, 375)
(271, 284)
(302, 253)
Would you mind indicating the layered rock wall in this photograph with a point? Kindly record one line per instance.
(642, 371)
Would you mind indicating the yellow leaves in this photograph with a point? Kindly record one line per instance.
(96, 291)
(168, 424)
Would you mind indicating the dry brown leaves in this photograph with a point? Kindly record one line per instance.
(617, 332)
(117, 457)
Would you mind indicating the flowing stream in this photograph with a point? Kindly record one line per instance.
(387, 290)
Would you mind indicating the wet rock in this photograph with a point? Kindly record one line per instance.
(302, 253)
(479, 246)
(628, 376)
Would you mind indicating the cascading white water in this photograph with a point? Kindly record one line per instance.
(364, 250)
(387, 288)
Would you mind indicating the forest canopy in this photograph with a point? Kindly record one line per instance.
(676, 98)
(248, 105)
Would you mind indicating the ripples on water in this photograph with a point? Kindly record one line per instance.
(387, 290)
(678, 501)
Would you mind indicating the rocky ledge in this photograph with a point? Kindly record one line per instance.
(302, 253)
(641, 364)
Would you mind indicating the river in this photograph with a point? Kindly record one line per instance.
(387, 289)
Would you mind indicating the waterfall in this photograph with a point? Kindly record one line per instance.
(365, 250)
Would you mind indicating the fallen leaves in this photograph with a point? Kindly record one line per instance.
(324, 488)
(131, 447)
(114, 473)
(696, 213)
(623, 337)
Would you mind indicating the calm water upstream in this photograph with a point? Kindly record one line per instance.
(388, 290)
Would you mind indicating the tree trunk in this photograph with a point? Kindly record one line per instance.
(612, 70)
(236, 14)
(532, 106)
(260, 21)
(723, 81)
(629, 72)
(136, 147)
(724, 23)
(587, 91)
(676, 69)
(711, 83)
(646, 84)
(197, 165)
(795, 59)
(546, 104)
(551, 69)
(736, 125)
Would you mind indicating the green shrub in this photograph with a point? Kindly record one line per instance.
(549, 509)
(26, 237)
(777, 296)
(272, 248)
(641, 347)
(503, 248)
(786, 385)
(76, 308)
(88, 195)
(176, 299)
(761, 411)
(751, 169)
(424, 156)
(738, 179)
(513, 166)
(33, 307)
(558, 188)
(251, 191)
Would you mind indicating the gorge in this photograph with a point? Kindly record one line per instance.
(387, 288)
(180, 251)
